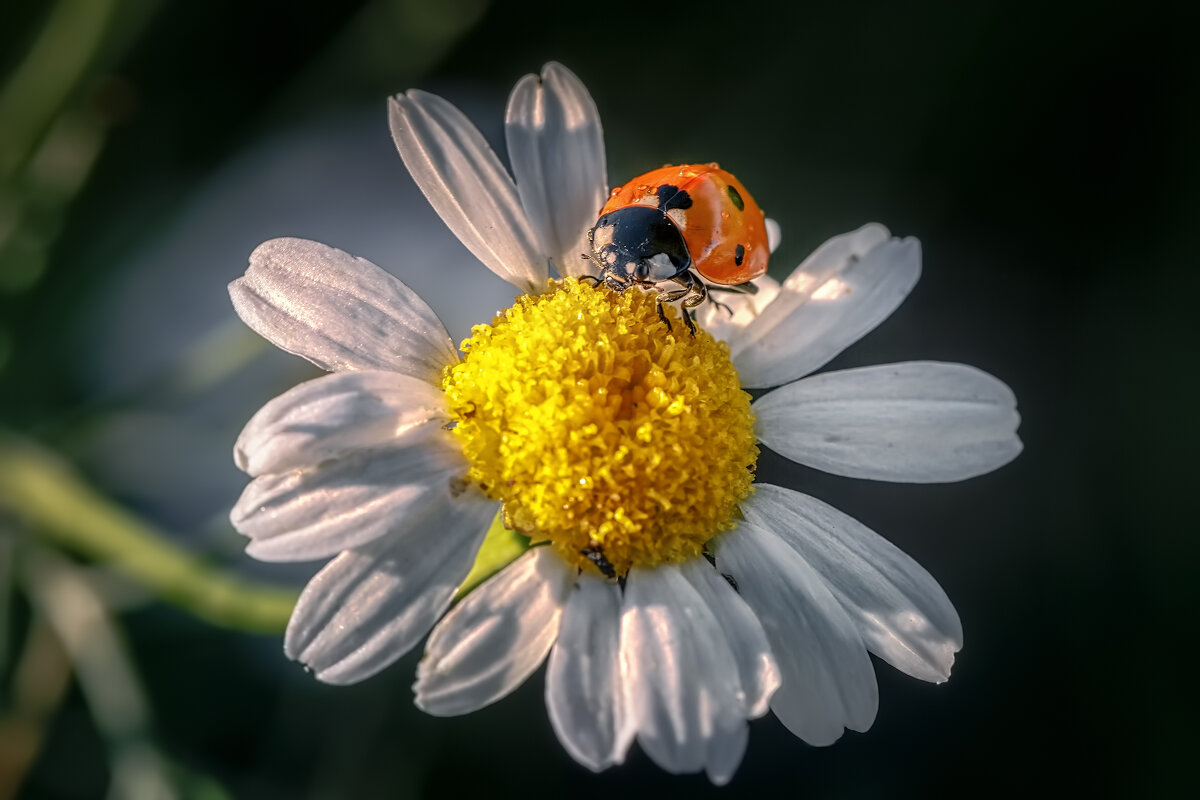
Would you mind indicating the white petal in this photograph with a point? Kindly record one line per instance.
(583, 677)
(902, 613)
(334, 415)
(916, 422)
(725, 750)
(368, 607)
(468, 186)
(757, 669)
(774, 234)
(314, 513)
(828, 681)
(496, 637)
(339, 312)
(556, 147)
(727, 324)
(822, 265)
(843, 290)
(681, 680)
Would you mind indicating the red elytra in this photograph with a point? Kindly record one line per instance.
(724, 229)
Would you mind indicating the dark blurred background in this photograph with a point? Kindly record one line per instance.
(1045, 154)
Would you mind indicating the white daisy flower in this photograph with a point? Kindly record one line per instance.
(619, 448)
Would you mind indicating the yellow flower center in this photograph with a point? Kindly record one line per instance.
(618, 441)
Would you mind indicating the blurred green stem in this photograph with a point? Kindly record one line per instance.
(55, 502)
(105, 672)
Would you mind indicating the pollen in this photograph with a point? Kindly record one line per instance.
(616, 440)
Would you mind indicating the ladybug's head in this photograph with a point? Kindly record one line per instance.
(639, 244)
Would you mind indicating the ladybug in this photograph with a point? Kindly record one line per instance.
(675, 222)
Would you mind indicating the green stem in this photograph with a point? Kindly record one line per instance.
(54, 501)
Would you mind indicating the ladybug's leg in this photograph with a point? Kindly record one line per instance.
(697, 290)
(721, 305)
(662, 315)
(736, 288)
(699, 293)
(670, 297)
(693, 294)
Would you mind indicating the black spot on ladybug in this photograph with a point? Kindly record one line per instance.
(738, 255)
(673, 197)
(597, 557)
(736, 198)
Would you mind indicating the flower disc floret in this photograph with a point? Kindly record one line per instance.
(600, 430)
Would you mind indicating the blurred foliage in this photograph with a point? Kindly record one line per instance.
(62, 92)
(57, 104)
(40, 492)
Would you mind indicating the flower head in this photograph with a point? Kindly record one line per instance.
(672, 597)
(598, 433)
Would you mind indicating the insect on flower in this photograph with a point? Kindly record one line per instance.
(674, 222)
(672, 592)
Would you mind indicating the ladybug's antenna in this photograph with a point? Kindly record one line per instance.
(592, 258)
